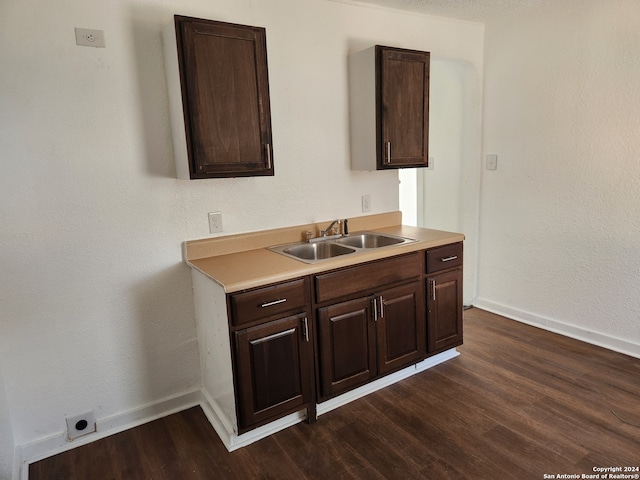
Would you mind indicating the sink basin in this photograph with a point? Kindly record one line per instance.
(320, 249)
(371, 240)
(317, 251)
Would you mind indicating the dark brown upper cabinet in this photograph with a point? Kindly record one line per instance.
(389, 108)
(221, 116)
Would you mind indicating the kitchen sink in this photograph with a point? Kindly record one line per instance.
(371, 240)
(318, 249)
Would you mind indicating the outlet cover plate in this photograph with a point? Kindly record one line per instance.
(86, 37)
(215, 222)
(81, 424)
(366, 203)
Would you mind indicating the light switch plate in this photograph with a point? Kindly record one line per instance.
(90, 38)
(492, 162)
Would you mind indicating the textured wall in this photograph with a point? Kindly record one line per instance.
(95, 301)
(7, 446)
(560, 217)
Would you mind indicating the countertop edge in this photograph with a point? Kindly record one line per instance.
(254, 268)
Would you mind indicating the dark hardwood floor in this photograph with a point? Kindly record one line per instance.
(518, 403)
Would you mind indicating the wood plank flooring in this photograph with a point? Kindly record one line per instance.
(518, 403)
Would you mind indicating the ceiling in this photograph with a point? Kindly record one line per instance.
(472, 10)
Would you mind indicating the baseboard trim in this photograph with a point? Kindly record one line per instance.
(360, 392)
(58, 443)
(54, 444)
(231, 440)
(589, 336)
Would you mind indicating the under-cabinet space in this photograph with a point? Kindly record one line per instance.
(219, 98)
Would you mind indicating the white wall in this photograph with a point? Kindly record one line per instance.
(560, 217)
(95, 301)
(7, 446)
(446, 196)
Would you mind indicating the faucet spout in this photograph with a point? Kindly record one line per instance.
(323, 233)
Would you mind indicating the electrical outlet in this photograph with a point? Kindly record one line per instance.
(90, 38)
(366, 203)
(215, 222)
(81, 424)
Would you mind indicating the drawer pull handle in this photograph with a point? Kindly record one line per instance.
(387, 157)
(275, 302)
(273, 337)
(448, 259)
(381, 307)
(433, 290)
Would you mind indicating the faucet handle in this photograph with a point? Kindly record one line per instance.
(308, 235)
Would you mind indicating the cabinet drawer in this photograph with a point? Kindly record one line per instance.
(367, 277)
(442, 258)
(264, 302)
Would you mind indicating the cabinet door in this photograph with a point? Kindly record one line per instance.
(225, 93)
(346, 346)
(403, 107)
(273, 368)
(401, 327)
(444, 317)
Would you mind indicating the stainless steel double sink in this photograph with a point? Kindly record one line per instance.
(318, 249)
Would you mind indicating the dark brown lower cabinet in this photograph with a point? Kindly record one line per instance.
(370, 320)
(347, 342)
(366, 337)
(444, 304)
(274, 367)
(401, 327)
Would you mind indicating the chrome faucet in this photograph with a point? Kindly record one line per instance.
(323, 233)
(326, 233)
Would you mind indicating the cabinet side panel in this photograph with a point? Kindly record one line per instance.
(176, 113)
(362, 106)
(213, 342)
